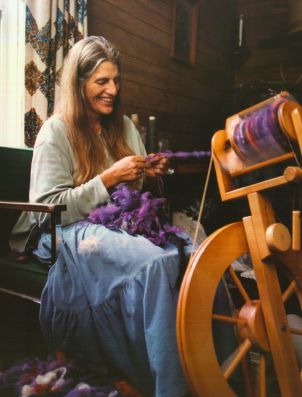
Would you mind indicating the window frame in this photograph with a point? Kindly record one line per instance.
(12, 64)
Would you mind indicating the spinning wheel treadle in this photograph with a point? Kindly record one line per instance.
(262, 355)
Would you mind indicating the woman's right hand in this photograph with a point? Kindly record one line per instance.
(127, 169)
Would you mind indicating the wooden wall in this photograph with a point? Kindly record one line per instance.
(272, 61)
(187, 100)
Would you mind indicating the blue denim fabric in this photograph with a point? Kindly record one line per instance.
(113, 295)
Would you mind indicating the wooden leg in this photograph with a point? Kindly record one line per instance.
(286, 365)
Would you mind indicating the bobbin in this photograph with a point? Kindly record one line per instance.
(262, 132)
(255, 138)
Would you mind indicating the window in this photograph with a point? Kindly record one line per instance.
(12, 61)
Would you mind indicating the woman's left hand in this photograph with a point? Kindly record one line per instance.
(157, 165)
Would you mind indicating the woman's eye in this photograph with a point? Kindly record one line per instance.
(117, 80)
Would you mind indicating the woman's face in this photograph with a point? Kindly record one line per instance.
(101, 89)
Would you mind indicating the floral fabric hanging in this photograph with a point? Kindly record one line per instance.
(52, 27)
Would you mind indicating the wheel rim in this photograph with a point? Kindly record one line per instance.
(206, 376)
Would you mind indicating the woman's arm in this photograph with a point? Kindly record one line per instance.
(54, 166)
(52, 176)
(52, 182)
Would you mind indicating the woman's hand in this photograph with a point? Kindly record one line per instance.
(157, 165)
(127, 169)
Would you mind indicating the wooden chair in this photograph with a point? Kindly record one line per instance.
(22, 277)
(265, 347)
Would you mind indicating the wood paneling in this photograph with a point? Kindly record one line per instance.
(187, 100)
(191, 102)
(272, 61)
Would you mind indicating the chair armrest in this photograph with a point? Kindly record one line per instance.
(53, 209)
(35, 207)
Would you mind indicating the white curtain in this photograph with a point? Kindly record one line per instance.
(52, 27)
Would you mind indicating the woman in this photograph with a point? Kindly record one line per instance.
(109, 295)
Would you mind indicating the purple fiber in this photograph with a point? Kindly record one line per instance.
(105, 215)
(137, 214)
(259, 135)
(179, 155)
(72, 383)
(187, 155)
(125, 198)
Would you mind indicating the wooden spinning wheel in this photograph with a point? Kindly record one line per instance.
(263, 362)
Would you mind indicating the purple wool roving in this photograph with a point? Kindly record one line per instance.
(136, 213)
(179, 155)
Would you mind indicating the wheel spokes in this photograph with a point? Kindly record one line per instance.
(232, 362)
(290, 290)
(262, 376)
(229, 319)
(239, 285)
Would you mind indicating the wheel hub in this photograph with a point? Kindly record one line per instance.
(253, 327)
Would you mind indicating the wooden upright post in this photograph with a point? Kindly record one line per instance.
(285, 361)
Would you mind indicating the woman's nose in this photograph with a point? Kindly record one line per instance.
(112, 87)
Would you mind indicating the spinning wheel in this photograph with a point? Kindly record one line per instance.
(261, 359)
(208, 377)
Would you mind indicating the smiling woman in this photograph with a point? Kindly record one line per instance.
(103, 304)
(101, 89)
(91, 104)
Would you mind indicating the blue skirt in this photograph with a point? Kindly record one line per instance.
(113, 295)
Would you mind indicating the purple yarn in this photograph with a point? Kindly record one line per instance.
(105, 215)
(189, 155)
(24, 374)
(258, 136)
(179, 155)
(71, 380)
(126, 198)
(137, 214)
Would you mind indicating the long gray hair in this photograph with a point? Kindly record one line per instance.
(82, 60)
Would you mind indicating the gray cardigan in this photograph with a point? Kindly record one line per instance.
(52, 180)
